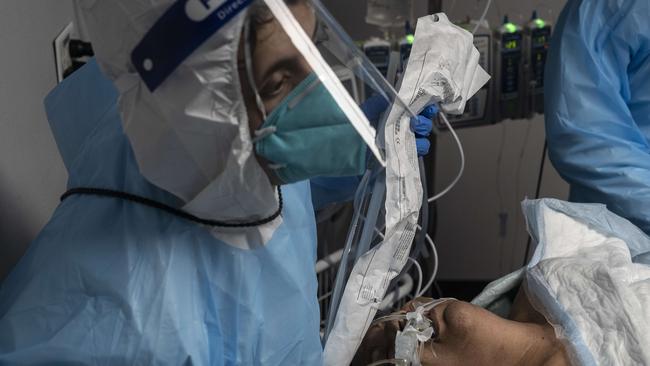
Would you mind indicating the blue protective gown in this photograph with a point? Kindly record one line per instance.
(598, 104)
(112, 282)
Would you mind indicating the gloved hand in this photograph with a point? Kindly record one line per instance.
(422, 125)
(327, 190)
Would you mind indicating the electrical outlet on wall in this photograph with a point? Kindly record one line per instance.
(62, 58)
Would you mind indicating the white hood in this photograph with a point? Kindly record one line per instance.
(191, 135)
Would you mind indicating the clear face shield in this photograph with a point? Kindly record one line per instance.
(316, 106)
(333, 110)
(314, 100)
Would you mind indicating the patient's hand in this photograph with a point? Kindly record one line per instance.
(469, 335)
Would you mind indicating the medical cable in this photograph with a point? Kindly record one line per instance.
(420, 291)
(434, 271)
(503, 216)
(462, 161)
(424, 210)
(518, 180)
(433, 351)
(482, 18)
(389, 318)
(499, 164)
(169, 209)
(416, 320)
(537, 192)
(391, 361)
(419, 247)
(432, 226)
(419, 269)
(402, 315)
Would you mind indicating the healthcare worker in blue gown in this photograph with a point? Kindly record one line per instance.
(598, 104)
(171, 245)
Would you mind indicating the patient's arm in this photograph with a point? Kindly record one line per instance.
(469, 335)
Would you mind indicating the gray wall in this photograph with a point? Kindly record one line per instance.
(32, 175)
(468, 239)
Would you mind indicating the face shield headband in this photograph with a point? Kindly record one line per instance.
(187, 24)
(183, 28)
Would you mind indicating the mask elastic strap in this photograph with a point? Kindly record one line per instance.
(248, 60)
(277, 166)
(263, 132)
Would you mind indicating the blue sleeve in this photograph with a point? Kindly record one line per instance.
(598, 104)
(326, 190)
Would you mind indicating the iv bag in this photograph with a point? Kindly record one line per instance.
(388, 13)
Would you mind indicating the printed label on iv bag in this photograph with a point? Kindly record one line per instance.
(374, 282)
(404, 245)
(427, 79)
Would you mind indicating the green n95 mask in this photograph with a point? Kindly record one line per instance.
(307, 135)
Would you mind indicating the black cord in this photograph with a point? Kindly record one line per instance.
(432, 228)
(169, 209)
(537, 191)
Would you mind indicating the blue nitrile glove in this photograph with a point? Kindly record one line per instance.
(422, 125)
(373, 107)
(327, 190)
